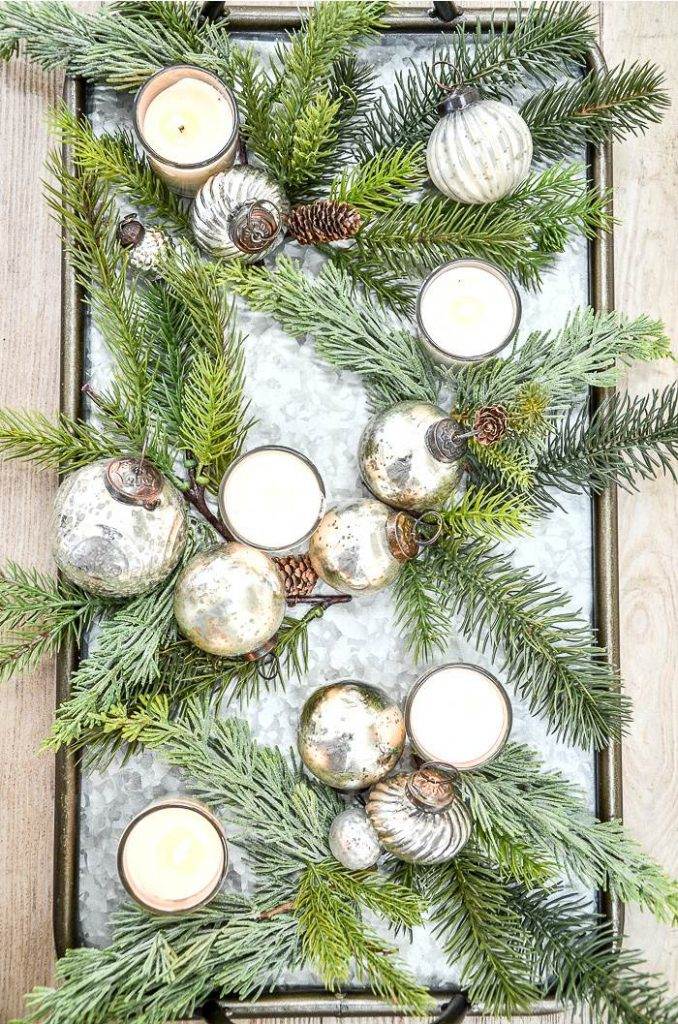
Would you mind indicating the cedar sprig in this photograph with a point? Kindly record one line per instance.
(600, 106)
(378, 282)
(626, 440)
(519, 617)
(113, 158)
(38, 614)
(516, 803)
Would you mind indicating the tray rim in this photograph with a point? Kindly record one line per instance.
(608, 762)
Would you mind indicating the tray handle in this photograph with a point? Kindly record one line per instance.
(445, 11)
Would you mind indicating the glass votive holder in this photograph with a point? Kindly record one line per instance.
(173, 856)
(458, 715)
(187, 121)
(272, 498)
(467, 310)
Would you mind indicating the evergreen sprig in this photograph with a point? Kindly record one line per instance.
(62, 443)
(517, 805)
(349, 333)
(602, 105)
(377, 282)
(381, 183)
(626, 440)
(489, 513)
(548, 650)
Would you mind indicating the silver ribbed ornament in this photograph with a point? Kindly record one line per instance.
(230, 601)
(239, 213)
(353, 841)
(119, 527)
(360, 547)
(350, 734)
(480, 150)
(411, 455)
(419, 817)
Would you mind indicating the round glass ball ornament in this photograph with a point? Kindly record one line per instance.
(230, 601)
(419, 817)
(480, 149)
(350, 734)
(360, 547)
(353, 841)
(239, 213)
(119, 527)
(411, 455)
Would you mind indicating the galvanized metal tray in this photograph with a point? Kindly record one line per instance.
(409, 18)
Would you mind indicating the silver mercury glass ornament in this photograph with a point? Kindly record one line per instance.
(420, 817)
(360, 547)
(239, 213)
(119, 527)
(350, 734)
(230, 601)
(353, 841)
(411, 455)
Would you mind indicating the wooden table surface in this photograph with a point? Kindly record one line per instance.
(646, 250)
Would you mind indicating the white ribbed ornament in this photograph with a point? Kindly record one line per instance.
(480, 150)
(239, 213)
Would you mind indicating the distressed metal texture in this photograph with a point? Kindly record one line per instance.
(308, 1005)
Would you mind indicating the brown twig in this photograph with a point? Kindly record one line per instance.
(195, 496)
(282, 908)
(324, 600)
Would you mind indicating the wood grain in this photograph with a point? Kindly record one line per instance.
(647, 254)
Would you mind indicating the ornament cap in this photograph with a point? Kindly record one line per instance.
(134, 482)
(130, 232)
(401, 532)
(446, 440)
(460, 97)
(255, 225)
(432, 786)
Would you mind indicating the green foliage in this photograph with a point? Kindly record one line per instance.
(547, 650)
(542, 45)
(121, 45)
(113, 159)
(369, 279)
(627, 439)
(516, 803)
(61, 444)
(37, 615)
(485, 512)
(350, 334)
(606, 105)
(381, 183)
(422, 618)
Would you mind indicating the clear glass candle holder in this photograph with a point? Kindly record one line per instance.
(497, 312)
(186, 177)
(259, 508)
(159, 903)
(464, 737)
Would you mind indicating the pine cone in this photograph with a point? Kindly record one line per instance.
(298, 575)
(491, 423)
(325, 221)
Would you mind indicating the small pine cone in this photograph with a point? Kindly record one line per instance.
(328, 220)
(298, 575)
(491, 423)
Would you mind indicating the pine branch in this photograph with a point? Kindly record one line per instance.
(108, 46)
(601, 106)
(627, 439)
(63, 444)
(377, 282)
(547, 650)
(113, 159)
(37, 615)
(381, 183)
(588, 971)
(515, 802)
(591, 350)
(422, 619)
(490, 513)
(349, 334)
(544, 43)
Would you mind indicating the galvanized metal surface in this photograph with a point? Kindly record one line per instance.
(606, 584)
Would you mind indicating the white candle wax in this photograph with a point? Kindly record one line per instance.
(187, 121)
(172, 858)
(272, 498)
(458, 715)
(467, 310)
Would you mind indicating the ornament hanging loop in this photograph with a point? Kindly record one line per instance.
(255, 225)
(428, 528)
(456, 96)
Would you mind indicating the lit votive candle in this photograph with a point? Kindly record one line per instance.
(173, 856)
(467, 310)
(272, 498)
(459, 715)
(187, 121)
